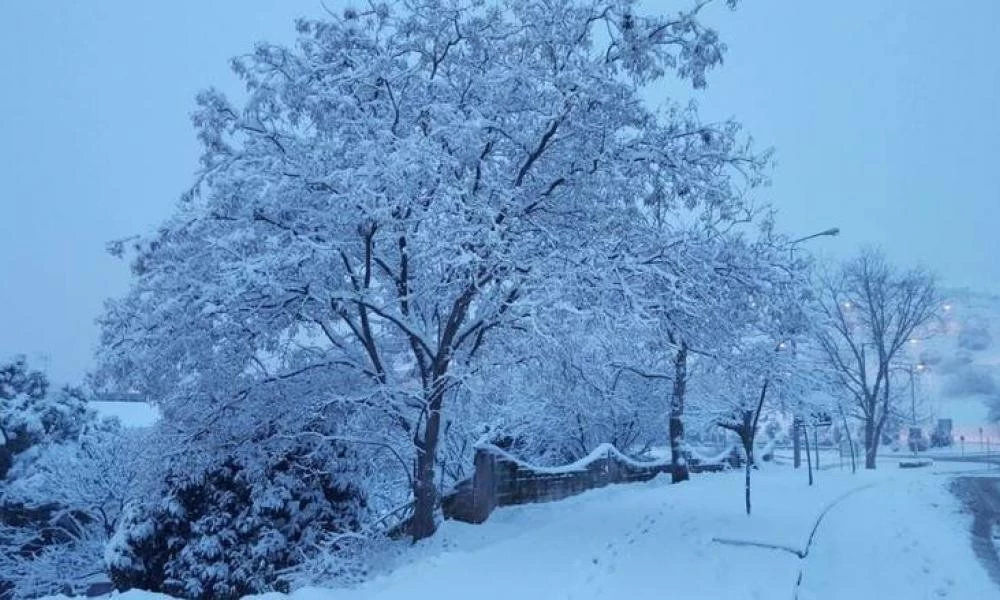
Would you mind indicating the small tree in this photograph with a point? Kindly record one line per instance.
(870, 310)
(755, 372)
(755, 361)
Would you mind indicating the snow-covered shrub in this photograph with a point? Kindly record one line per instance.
(60, 510)
(30, 416)
(50, 536)
(240, 527)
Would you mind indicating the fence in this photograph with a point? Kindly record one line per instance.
(500, 479)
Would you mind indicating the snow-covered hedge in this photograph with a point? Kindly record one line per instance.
(241, 527)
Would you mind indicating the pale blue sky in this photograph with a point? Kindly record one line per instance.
(882, 113)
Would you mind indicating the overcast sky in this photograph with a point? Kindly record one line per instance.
(883, 115)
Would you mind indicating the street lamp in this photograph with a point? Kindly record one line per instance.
(832, 232)
(914, 370)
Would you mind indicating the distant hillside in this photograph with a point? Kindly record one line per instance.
(959, 365)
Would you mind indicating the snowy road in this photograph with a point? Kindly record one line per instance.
(982, 497)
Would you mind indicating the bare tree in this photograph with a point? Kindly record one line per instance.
(870, 310)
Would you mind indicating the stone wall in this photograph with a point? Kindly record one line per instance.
(500, 479)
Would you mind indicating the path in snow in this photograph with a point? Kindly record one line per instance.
(906, 537)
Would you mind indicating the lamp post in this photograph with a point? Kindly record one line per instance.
(832, 232)
(914, 369)
(797, 421)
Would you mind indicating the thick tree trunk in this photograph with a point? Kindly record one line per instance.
(678, 461)
(422, 524)
(425, 494)
(871, 443)
(816, 445)
(796, 443)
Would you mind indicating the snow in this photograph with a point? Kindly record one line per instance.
(602, 451)
(901, 529)
(914, 547)
(891, 533)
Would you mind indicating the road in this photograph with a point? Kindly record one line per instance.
(982, 497)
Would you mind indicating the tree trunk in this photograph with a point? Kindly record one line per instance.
(748, 449)
(816, 445)
(6, 460)
(805, 434)
(796, 444)
(871, 443)
(678, 462)
(850, 440)
(425, 495)
(422, 524)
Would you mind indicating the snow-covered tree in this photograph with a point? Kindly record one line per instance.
(755, 366)
(573, 392)
(689, 299)
(410, 182)
(870, 311)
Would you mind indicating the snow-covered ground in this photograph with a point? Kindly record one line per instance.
(901, 528)
(887, 534)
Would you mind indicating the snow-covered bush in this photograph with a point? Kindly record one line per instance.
(71, 498)
(31, 416)
(64, 477)
(240, 527)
